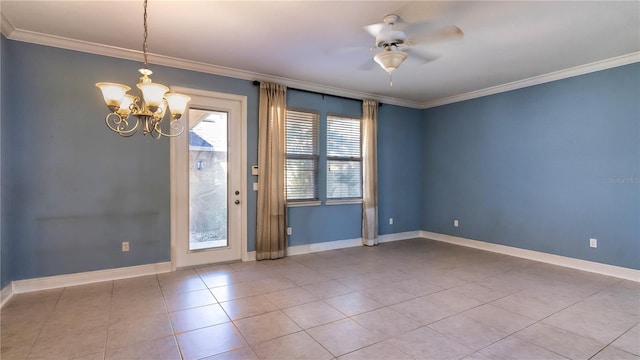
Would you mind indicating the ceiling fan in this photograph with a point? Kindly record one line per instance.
(396, 46)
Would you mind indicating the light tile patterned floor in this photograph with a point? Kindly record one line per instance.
(413, 299)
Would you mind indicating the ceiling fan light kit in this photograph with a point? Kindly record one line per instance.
(389, 60)
(149, 110)
(395, 44)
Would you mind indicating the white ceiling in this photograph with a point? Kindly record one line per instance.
(321, 45)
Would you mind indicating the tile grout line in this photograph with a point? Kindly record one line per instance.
(48, 317)
(614, 340)
(489, 303)
(106, 338)
(228, 316)
(166, 307)
(538, 322)
(305, 330)
(584, 297)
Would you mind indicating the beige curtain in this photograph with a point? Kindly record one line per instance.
(369, 172)
(271, 241)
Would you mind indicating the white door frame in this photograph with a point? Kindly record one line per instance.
(176, 184)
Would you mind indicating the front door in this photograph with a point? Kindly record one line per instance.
(208, 206)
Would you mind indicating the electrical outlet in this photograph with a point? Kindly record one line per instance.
(289, 231)
(456, 223)
(593, 243)
(390, 221)
(125, 246)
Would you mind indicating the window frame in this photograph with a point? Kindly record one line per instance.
(329, 158)
(315, 157)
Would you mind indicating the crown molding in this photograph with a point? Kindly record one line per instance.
(128, 54)
(540, 79)
(6, 26)
(112, 51)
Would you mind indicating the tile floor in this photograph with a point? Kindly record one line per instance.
(412, 299)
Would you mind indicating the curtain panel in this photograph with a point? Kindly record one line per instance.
(271, 240)
(369, 172)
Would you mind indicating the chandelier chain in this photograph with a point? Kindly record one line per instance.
(144, 42)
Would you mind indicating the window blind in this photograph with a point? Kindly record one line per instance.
(344, 158)
(301, 167)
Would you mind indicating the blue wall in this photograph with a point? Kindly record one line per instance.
(314, 224)
(541, 168)
(399, 168)
(5, 269)
(74, 190)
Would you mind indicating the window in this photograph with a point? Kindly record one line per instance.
(301, 168)
(344, 158)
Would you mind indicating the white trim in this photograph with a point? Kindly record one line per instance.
(6, 294)
(342, 202)
(6, 26)
(584, 265)
(323, 246)
(239, 101)
(52, 282)
(342, 244)
(291, 204)
(399, 236)
(540, 79)
(249, 256)
(99, 49)
(59, 281)
(122, 53)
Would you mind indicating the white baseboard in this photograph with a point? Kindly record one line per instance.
(249, 256)
(311, 248)
(323, 246)
(399, 236)
(342, 244)
(6, 294)
(53, 282)
(590, 266)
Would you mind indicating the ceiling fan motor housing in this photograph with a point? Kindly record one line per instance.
(390, 38)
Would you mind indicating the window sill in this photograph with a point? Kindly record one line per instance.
(304, 203)
(343, 202)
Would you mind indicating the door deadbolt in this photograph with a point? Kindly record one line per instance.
(237, 202)
(237, 192)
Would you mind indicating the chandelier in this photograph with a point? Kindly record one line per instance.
(390, 59)
(130, 113)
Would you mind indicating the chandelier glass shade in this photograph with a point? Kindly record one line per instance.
(130, 113)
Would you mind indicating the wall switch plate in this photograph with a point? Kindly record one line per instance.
(125, 246)
(455, 223)
(289, 231)
(390, 221)
(593, 243)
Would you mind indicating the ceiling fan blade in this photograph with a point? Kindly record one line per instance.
(422, 56)
(420, 27)
(375, 29)
(340, 50)
(451, 32)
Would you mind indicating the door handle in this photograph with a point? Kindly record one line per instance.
(237, 202)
